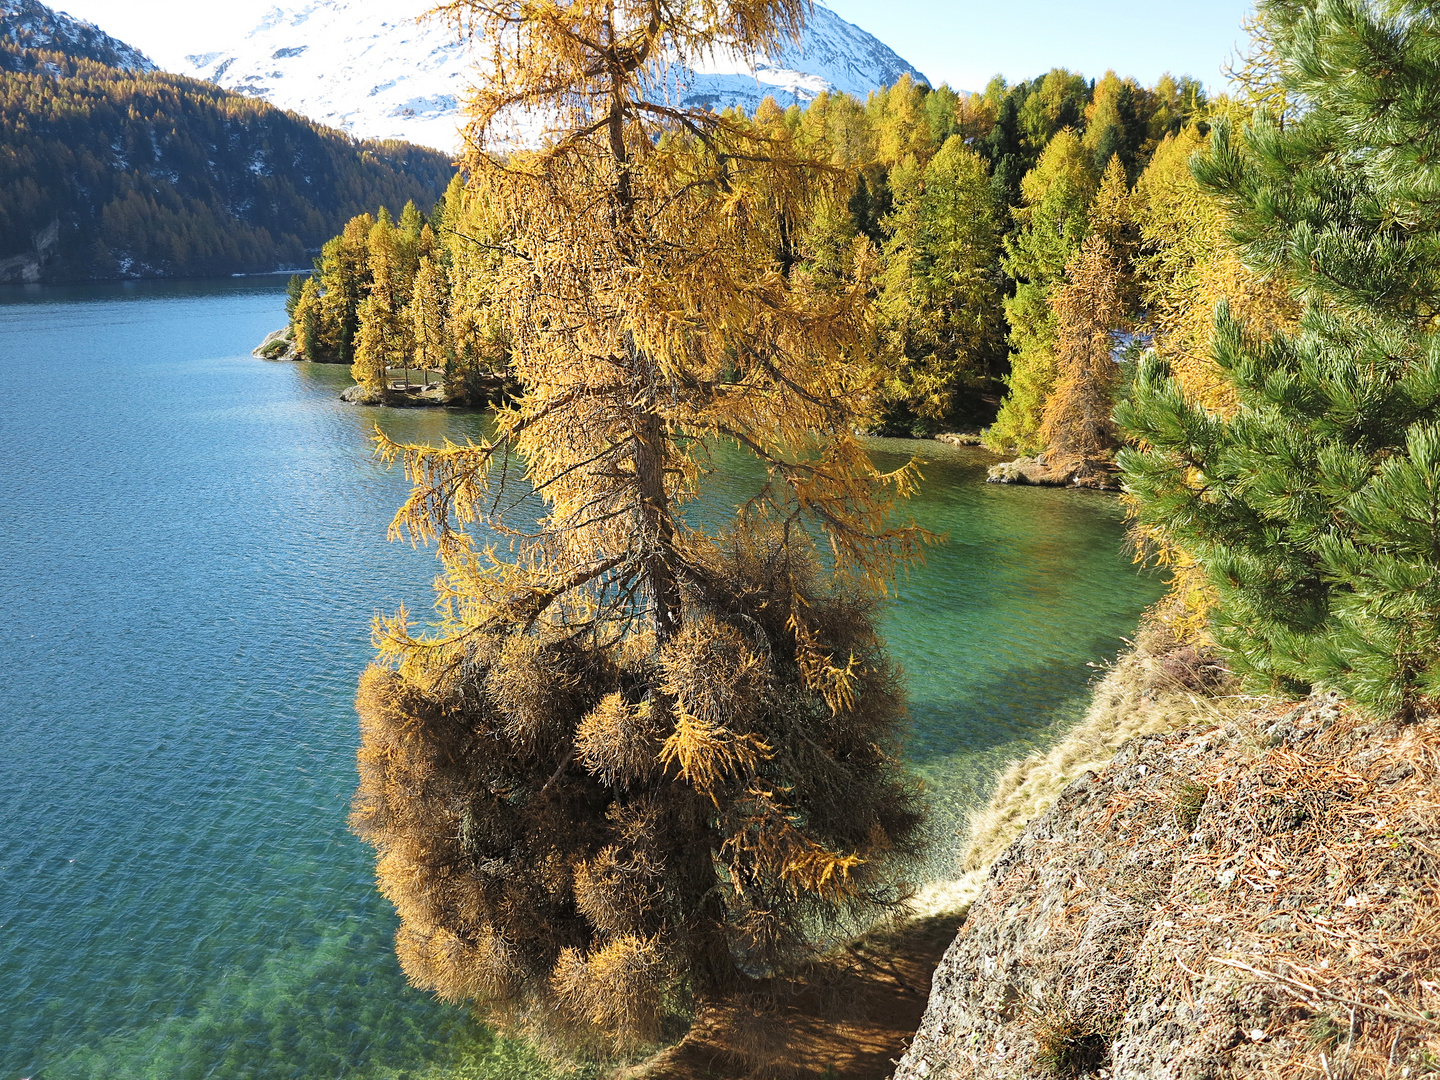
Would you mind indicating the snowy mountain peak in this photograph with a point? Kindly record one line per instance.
(370, 68)
(31, 25)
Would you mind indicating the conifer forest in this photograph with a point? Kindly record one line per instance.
(108, 173)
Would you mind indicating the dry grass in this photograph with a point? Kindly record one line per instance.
(1158, 686)
(1068, 1046)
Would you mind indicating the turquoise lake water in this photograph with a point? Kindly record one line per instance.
(196, 547)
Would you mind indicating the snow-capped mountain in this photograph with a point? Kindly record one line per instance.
(369, 68)
(31, 25)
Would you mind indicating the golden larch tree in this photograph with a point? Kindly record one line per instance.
(1078, 425)
(1189, 265)
(427, 316)
(344, 274)
(636, 763)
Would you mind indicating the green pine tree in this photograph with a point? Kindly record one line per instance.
(1314, 509)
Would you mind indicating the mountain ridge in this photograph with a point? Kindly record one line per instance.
(375, 71)
(31, 26)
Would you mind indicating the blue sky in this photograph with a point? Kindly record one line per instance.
(965, 42)
(962, 42)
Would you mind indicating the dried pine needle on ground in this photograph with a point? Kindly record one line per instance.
(1248, 898)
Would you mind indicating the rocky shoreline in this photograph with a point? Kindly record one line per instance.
(278, 345)
(1039, 471)
(1252, 894)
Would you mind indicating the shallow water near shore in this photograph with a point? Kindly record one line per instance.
(196, 544)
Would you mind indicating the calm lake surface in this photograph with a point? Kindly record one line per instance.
(195, 546)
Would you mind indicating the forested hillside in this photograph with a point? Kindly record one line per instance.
(107, 173)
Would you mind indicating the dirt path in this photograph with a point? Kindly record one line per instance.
(851, 1021)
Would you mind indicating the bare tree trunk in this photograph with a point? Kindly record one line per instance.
(656, 524)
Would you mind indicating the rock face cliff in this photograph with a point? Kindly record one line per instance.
(1251, 898)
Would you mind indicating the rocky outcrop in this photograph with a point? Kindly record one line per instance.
(1041, 472)
(278, 345)
(29, 266)
(1249, 898)
(960, 438)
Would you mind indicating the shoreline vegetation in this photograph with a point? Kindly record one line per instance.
(990, 315)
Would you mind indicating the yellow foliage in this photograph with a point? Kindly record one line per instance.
(1190, 265)
(1077, 424)
(568, 762)
(707, 754)
(619, 742)
(534, 685)
(713, 673)
(613, 988)
(618, 894)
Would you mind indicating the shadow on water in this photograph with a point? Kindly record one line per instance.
(196, 548)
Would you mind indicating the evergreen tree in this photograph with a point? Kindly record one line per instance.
(408, 232)
(940, 299)
(427, 317)
(293, 289)
(1009, 159)
(344, 272)
(306, 320)
(1174, 106)
(478, 344)
(1116, 123)
(1314, 509)
(372, 348)
(1059, 103)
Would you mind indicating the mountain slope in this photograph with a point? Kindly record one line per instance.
(28, 26)
(109, 172)
(368, 67)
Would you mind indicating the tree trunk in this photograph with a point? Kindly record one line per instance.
(656, 526)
